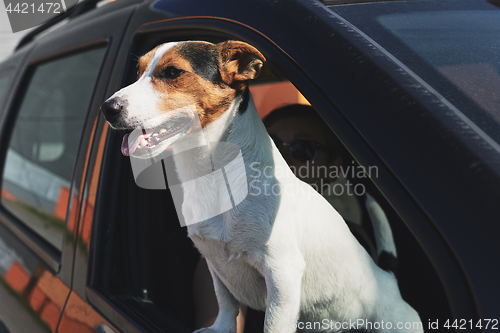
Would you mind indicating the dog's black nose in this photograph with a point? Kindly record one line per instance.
(111, 109)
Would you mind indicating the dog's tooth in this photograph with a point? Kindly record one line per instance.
(162, 131)
(144, 142)
(155, 134)
(157, 139)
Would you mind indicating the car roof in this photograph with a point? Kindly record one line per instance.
(97, 7)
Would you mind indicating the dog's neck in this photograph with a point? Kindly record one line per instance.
(240, 128)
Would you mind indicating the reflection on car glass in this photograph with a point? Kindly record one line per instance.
(463, 46)
(44, 143)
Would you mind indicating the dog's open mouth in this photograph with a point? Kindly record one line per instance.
(150, 140)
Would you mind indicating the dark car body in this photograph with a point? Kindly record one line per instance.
(438, 166)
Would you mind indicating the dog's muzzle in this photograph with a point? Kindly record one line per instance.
(112, 109)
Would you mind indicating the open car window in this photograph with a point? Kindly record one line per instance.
(147, 266)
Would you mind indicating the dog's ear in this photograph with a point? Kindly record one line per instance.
(239, 61)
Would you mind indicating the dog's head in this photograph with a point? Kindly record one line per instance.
(180, 85)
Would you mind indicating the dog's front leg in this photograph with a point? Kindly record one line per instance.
(284, 281)
(228, 308)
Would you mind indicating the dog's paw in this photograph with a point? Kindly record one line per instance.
(215, 330)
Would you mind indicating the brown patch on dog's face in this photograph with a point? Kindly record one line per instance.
(179, 86)
(202, 74)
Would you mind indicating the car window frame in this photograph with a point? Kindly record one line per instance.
(7, 73)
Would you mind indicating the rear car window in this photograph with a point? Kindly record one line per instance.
(475, 74)
(452, 45)
(44, 142)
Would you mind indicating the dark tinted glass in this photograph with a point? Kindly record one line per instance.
(43, 146)
(452, 45)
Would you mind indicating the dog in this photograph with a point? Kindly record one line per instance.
(287, 253)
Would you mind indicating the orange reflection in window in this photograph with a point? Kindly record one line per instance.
(270, 96)
(80, 317)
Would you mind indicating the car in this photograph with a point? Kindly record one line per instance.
(411, 89)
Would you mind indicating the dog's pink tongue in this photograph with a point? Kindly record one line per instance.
(129, 145)
(125, 147)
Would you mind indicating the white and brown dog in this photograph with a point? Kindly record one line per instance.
(288, 253)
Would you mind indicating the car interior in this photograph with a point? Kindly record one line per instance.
(146, 263)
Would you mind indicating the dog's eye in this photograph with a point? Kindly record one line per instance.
(170, 73)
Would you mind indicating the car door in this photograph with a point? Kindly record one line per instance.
(45, 136)
(141, 266)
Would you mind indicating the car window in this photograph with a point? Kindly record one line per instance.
(44, 142)
(147, 266)
(475, 74)
(453, 47)
(145, 262)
